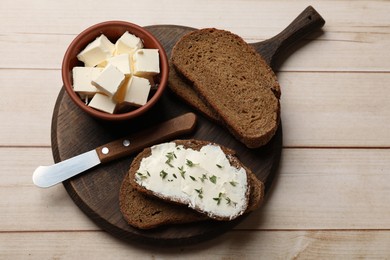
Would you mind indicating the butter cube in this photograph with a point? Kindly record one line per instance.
(103, 64)
(137, 91)
(97, 51)
(146, 62)
(82, 77)
(128, 43)
(109, 80)
(121, 92)
(103, 103)
(122, 62)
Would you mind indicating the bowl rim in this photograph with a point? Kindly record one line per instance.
(164, 72)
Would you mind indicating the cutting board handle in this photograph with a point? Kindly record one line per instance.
(306, 22)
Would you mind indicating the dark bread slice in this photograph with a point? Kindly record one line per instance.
(146, 212)
(182, 88)
(234, 80)
(257, 193)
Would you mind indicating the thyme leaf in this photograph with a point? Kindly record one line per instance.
(230, 202)
(163, 174)
(213, 179)
(182, 172)
(142, 176)
(204, 177)
(219, 198)
(189, 163)
(170, 156)
(200, 192)
(233, 183)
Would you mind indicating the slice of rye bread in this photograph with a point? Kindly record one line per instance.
(142, 209)
(147, 212)
(182, 88)
(234, 80)
(181, 188)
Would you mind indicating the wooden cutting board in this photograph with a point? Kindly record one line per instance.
(96, 191)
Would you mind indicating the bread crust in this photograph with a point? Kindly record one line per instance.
(234, 81)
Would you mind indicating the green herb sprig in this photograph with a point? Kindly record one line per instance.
(182, 171)
(213, 179)
(204, 177)
(233, 183)
(170, 156)
(163, 174)
(223, 196)
(189, 163)
(143, 176)
(200, 192)
(219, 198)
(230, 202)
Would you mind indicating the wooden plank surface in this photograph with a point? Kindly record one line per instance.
(314, 189)
(234, 245)
(319, 109)
(346, 34)
(330, 197)
(340, 50)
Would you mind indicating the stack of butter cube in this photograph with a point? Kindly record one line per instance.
(115, 74)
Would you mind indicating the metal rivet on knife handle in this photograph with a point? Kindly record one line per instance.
(105, 150)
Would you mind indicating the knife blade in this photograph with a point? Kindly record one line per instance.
(47, 176)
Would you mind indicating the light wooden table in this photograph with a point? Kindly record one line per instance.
(331, 197)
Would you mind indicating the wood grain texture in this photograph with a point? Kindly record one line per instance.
(295, 203)
(335, 94)
(319, 109)
(234, 245)
(336, 109)
(341, 46)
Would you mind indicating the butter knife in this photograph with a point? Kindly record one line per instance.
(46, 176)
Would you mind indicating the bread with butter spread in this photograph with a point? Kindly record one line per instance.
(233, 79)
(183, 173)
(143, 211)
(147, 212)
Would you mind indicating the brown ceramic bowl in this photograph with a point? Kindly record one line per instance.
(113, 30)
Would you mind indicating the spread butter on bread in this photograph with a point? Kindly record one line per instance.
(148, 212)
(234, 80)
(204, 176)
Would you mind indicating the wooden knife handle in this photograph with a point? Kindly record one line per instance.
(136, 142)
(306, 22)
